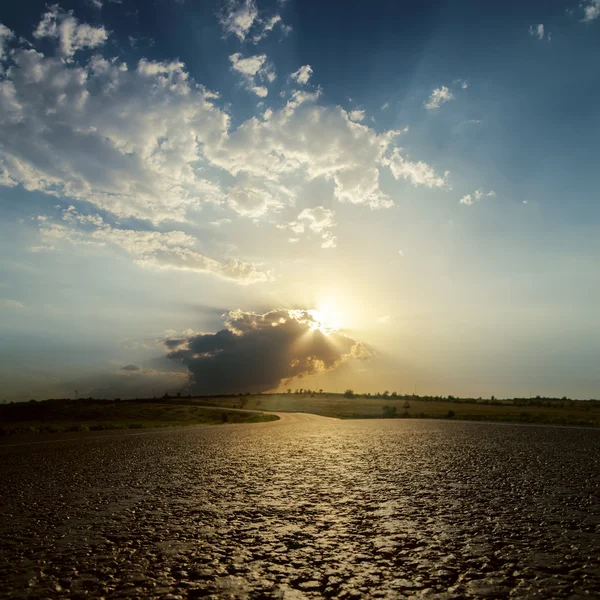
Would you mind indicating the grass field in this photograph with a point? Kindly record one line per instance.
(95, 415)
(54, 416)
(580, 413)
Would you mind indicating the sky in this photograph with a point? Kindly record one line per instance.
(255, 195)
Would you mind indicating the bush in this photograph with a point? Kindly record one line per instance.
(389, 412)
(450, 414)
(349, 394)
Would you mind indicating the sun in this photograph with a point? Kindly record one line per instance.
(327, 317)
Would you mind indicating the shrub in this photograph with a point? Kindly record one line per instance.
(389, 412)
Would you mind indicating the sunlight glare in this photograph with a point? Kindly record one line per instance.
(328, 316)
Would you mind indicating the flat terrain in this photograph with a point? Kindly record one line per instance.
(579, 413)
(303, 507)
(59, 416)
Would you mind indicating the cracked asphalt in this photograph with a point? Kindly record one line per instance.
(304, 507)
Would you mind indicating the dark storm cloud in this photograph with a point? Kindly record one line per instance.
(131, 368)
(256, 352)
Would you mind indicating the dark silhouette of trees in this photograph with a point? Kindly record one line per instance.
(349, 393)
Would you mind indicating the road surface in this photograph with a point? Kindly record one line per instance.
(303, 507)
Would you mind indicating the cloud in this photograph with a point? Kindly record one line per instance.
(267, 25)
(258, 352)
(302, 75)
(310, 141)
(356, 115)
(591, 10)
(126, 140)
(438, 97)
(146, 141)
(476, 196)
(384, 320)
(11, 304)
(237, 18)
(70, 33)
(255, 70)
(418, 173)
(5, 35)
(240, 17)
(537, 31)
(131, 368)
(320, 220)
(150, 249)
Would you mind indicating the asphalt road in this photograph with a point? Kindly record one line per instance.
(303, 507)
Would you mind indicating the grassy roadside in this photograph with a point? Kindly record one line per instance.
(96, 415)
(579, 413)
(58, 416)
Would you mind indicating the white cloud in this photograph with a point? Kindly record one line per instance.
(320, 220)
(384, 320)
(302, 75)
(385, 106)
(11, 304)
(254, 70)
(438, 97)
(5, 35)
(537, 31)
(356, 115)
(591, 10)
(266, 26)
(150, 249)
(220, 222)
(307, 140)
(126, 140)
(146, 141)
(418, 173)
(254, 198)
(240, 17)
(36, 249)
(476, 196)
(71, 34)
(248, 67)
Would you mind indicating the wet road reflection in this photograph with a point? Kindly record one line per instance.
(305, 507)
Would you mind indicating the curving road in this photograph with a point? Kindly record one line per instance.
(304, 507)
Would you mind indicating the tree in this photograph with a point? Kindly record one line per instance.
(320, 390)
(349, 393)
(289, 390)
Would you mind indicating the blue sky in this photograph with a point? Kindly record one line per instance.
(420, 176)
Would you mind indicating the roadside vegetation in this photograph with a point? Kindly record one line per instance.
(59, 416)
(352, 405)
(96, 415)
